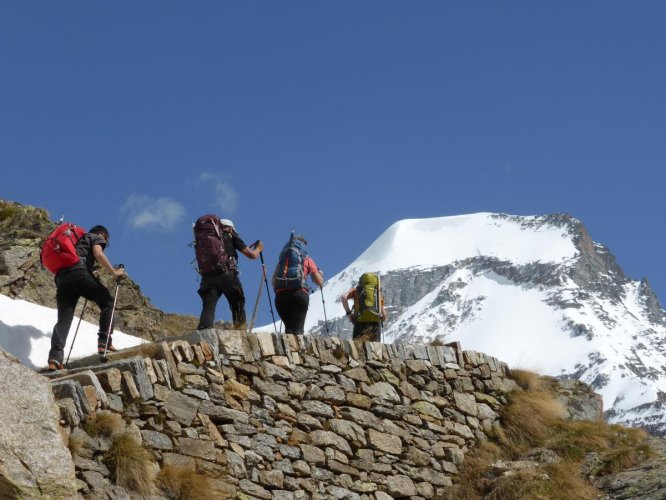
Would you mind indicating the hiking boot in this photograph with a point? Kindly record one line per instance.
(109, 348)
(55, 365)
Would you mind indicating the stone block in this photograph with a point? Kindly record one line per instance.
(129, 386)
(197, 448)
(385, 443)
(110, 379)
(73, 390)
(266, 344)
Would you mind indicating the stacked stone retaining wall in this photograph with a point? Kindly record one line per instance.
(290, 417)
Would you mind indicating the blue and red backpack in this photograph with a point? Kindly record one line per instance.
(290, 271)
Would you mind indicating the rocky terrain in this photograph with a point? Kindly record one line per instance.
(22, 230)
(271, 417)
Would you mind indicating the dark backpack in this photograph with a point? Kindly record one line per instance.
(59, 250)
(290, 270)
(367, 305)
(209, 246)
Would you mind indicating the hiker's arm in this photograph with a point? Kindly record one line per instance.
(98, 253)
(345, 298)
(254, 251)
(316, 274)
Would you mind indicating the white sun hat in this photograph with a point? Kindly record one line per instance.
(228, 222)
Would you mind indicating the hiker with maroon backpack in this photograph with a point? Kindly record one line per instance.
(216, 247)
(289, 282)
(71, 254)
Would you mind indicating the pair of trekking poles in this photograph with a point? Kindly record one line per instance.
(270, 301)
(108, 334)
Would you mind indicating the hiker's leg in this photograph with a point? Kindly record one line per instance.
(366, 332)
(283, 307)
(93, 290)
(209, 294)
(374, 332)
(66, 302)
(300, 302)
(236, 299)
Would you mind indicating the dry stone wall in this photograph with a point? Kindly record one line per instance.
(290, 417)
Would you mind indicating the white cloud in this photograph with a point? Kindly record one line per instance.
(145, 212)
(226, 197)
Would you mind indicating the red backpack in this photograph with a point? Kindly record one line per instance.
(59, 249)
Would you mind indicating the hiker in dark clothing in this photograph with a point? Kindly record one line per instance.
(291, 294)
(217, 283)
(80, 280)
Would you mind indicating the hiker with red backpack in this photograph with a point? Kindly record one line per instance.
(216, 247)
(289, 282)
(369, 312)
(71, 254)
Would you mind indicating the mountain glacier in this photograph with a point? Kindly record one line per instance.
(536, 292)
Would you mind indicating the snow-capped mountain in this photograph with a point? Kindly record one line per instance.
(536, 292)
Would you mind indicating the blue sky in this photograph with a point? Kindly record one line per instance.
(334, 118)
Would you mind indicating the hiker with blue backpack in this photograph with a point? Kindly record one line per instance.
(290, 283)
(216, 247)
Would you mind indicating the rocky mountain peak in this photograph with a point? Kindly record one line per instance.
(537, 291)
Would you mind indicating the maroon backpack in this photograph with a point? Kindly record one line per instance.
(209, 246)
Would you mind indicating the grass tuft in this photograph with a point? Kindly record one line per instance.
(529, 419)
(77, 446)
(177, 482)
(528, 380)
(131, 464)
(103, 423)
(556, 482)
(534, 419)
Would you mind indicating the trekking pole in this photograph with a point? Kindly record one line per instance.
(83, 310)
(379, 304)
(323, 303)
(113, 310)
(256, 305)
(270, 301)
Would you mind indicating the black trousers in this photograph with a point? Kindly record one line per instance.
(369, 331)
(292, 306)
(211, 288)
(72, 284)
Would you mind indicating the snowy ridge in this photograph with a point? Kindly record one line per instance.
(25, 332)
(535, 292)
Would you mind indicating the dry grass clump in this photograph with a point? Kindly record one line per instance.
(437, 342)
(77, 446)
(131, 464)
(528, 419)
(103, 423)
(534, 419)
(560, 481)
(175, 324)
(529, 381)
(473, 472)
(178, 482)
(618, 447)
